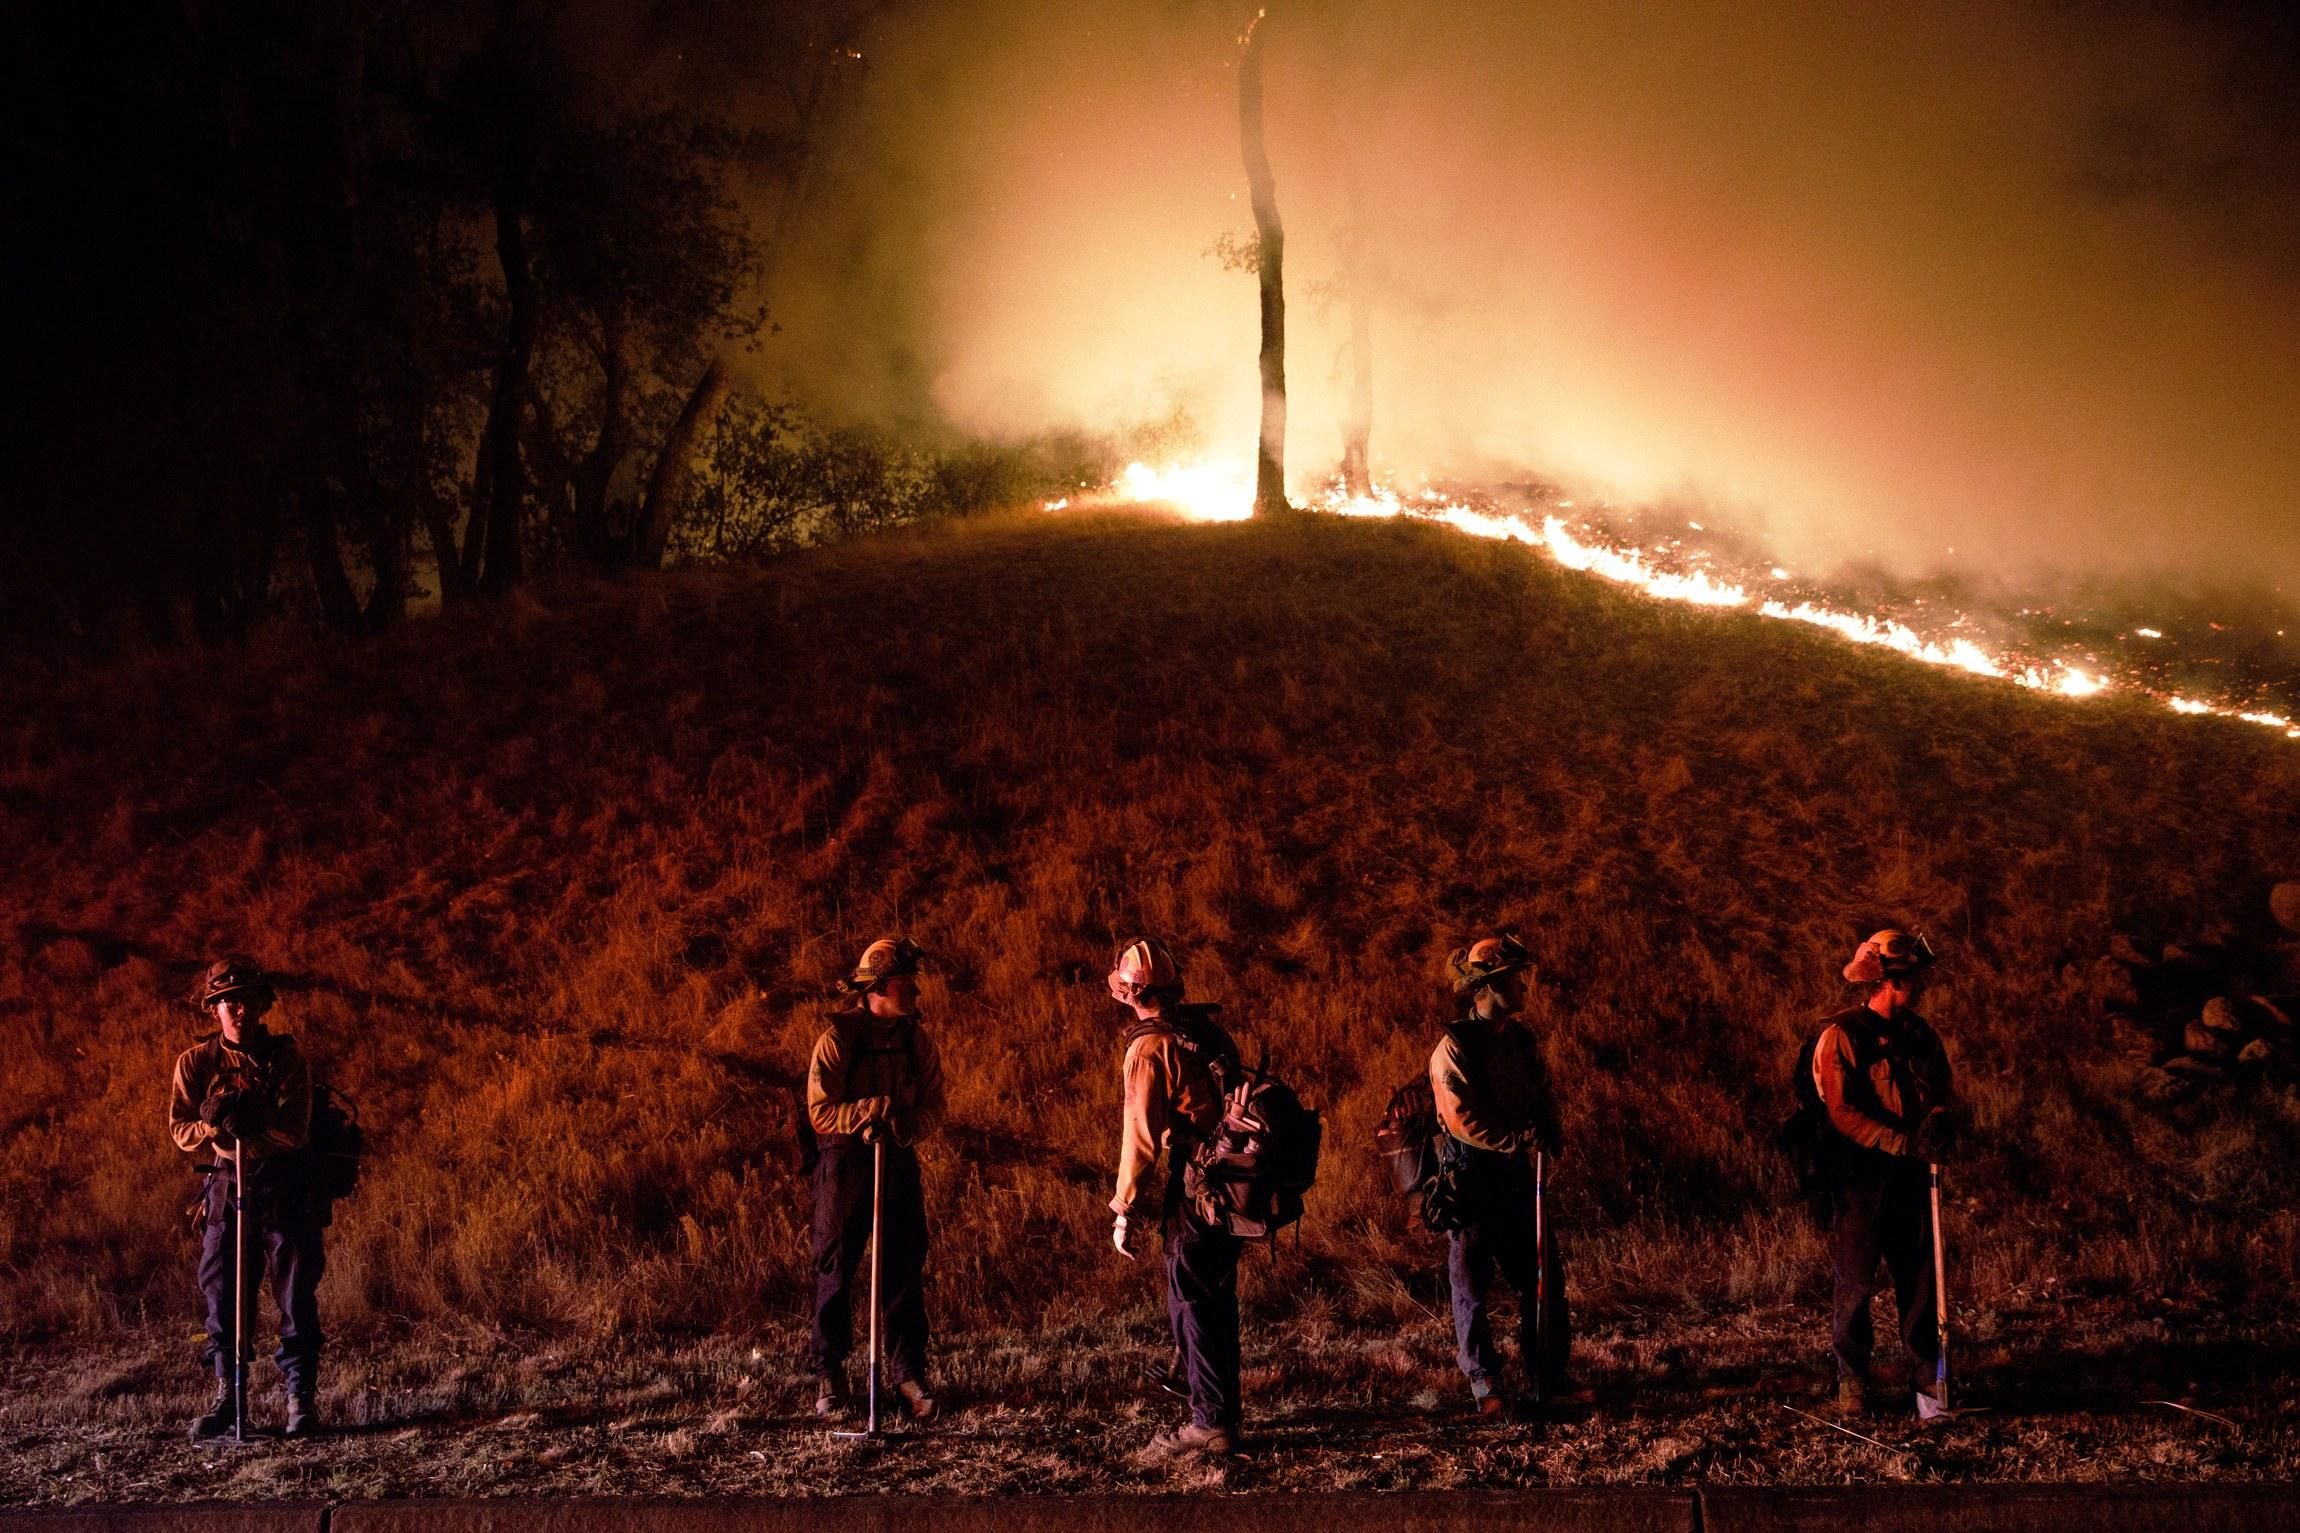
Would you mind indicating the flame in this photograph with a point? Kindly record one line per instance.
(1202, 492)
(1208, 492)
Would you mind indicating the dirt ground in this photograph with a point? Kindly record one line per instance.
(1680, 1401)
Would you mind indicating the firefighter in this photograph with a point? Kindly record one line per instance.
(244, 1093)
(874, 1084)
(1173, 1101)
(1883, 1080)
(1496, 1106)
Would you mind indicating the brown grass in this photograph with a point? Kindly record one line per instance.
(561, 887)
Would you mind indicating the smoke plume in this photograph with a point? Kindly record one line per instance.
(1989, 287)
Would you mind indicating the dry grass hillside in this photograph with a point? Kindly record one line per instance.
(561, 886)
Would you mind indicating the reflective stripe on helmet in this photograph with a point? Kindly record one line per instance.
(1144, 965)
(886, 958)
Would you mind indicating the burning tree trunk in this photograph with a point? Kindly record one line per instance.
(1269, 267)
(1357, 434)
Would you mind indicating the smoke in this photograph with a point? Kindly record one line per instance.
(1987, 288)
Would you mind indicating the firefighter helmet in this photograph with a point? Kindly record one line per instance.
(1486, 960)
(1889, 954)
(885, 959)
(234, 974)
(1145, 966)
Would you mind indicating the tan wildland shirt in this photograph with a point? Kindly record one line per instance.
(1878, 1079)
(272, 1073)
(1172, 1101)
(1492, 1087)
(867, 1069)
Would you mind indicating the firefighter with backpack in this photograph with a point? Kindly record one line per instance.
(1176, 1063)
(244, 1095)
(1498, 1113)
(1874, 1085)
(874, 1090)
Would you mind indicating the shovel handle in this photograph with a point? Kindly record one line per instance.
(1940, 1296)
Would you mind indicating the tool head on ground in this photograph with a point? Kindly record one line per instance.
(1145, 968)
(887, 958)
(1486, 960)
(1890, 954)
(235, 974)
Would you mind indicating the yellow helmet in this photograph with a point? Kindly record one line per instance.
(1889, 954)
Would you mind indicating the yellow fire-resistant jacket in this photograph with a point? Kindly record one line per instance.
(1172, 1101)
(1878, 1079)
(868, 1069)
(274, 1075)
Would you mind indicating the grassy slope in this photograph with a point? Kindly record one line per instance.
(563, 885)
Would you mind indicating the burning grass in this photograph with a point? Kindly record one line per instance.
(561, 886)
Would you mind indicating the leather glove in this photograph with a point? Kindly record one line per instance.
(225, 1112)
(874, 1132)
(1119, 1238)
(1936, 1137)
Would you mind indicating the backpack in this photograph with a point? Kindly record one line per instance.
(1250, 1175)
(338, 1145)
(1806, 1137)
(327, 1167)
(1424, 1161)
(1406, 1138)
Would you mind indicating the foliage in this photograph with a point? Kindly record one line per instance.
(775, 479)
(420, 263)
(1233, 250)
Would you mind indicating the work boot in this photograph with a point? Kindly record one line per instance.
(1569, 1393)
(922, 1406)
(1483, 1401)
(216, 1421)
(831, 1397)
(302, 1415)
(1193, 1441)
(1851, 1398)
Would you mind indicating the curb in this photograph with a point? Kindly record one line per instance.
(1537, 1511)
(2003, 1509)
(2249, 1508)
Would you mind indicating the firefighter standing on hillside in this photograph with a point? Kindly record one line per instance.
(1496, 1106)
(245, 1092)
(1174, 1101)
(1883, 1079)
(874, 1084)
